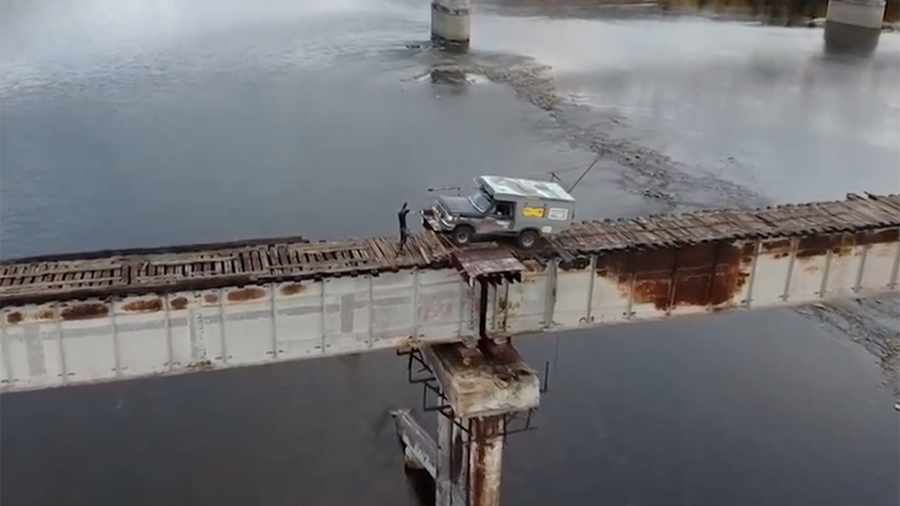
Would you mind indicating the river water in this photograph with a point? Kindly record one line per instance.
(148, 122)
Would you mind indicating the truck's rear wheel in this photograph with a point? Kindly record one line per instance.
(528, 238)
(462, 235)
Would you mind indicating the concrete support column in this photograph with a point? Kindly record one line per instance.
(481, 388)
(487, 436)
(450, 23)
(853, 26)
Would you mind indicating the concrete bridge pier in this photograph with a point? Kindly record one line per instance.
(853, 27)
(481, 391)
(450, 23)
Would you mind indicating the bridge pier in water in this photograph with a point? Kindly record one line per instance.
(483, 390)
(450, 23)
(853, 26)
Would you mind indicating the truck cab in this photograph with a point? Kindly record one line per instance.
(501, 206)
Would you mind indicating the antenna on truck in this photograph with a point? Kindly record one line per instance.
(585, 173)
(554, 177)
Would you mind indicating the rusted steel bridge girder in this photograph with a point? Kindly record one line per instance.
(115, 315)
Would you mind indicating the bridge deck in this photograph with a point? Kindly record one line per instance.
(170, 269)
(113, 315)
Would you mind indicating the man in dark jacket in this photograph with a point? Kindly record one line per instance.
(404, 232)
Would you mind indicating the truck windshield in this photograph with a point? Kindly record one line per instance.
(481, 202)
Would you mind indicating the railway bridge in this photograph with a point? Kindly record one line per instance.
(114, 315)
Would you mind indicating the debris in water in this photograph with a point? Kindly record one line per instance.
(455, 76)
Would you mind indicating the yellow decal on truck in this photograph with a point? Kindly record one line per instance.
(533, 212)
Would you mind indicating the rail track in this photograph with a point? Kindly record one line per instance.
(821, 225)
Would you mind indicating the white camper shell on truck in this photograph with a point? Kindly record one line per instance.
(522, 209)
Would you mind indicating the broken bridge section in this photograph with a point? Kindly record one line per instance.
(484, 393)
(491, 265)
(488, 274)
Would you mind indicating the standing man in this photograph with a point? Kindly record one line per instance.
(404, 232)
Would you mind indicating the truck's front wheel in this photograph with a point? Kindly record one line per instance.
(462, 235)
(528, 238)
